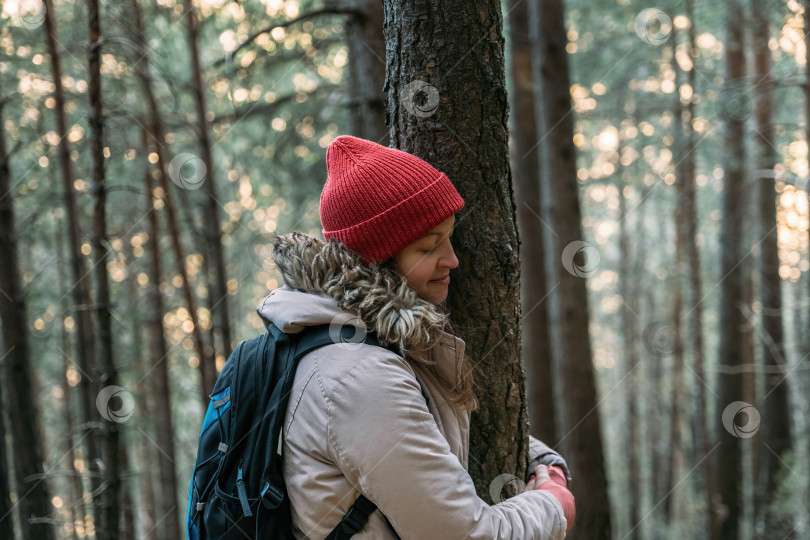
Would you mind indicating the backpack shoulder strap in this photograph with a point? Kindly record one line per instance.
(318, 336)
(314, 337)
(354, 520)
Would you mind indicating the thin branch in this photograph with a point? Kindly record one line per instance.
(258, 109)
(309, 15)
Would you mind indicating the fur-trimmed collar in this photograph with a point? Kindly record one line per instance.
(380, 298)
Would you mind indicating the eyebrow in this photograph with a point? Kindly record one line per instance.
(438, 233)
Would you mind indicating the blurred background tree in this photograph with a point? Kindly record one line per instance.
(688, 163)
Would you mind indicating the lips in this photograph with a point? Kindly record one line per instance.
(444, 281)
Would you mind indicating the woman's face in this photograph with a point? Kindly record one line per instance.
(426, 263)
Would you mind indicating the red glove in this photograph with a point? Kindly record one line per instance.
(557, 487)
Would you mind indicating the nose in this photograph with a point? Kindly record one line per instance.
(450, 260)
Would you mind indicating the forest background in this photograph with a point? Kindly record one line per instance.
(655, 164)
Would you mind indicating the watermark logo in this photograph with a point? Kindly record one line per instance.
(420, 98)
(338, 335)
(187, 171)
(659, 338)
(741, 419)
(653, 26)
(28, 13)
(115, 404)
(505, 486)
(732, 104)
(580, 259)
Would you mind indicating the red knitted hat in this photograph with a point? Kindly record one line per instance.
(377, 200)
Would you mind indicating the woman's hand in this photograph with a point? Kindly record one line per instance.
(552, 479)
(539, 476)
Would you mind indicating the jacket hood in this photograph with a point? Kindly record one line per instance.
(336, 281)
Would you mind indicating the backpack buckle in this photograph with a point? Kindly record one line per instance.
(271, 496)
(353, 522)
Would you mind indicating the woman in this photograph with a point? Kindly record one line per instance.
(362, 419)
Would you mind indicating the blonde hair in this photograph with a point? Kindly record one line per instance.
(464, 389)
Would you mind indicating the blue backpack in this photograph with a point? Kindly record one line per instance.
(237, 487)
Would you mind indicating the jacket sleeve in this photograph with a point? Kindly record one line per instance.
(387, 444)
(541, 454)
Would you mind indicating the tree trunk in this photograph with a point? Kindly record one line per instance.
(109, 498)
(166, 492)
(366, 44)
(127, 507)
(145, 499)
(71, 450)
(6, 521)
(694, 291)
(731, 296)
(679, 269)
(526, 174)
(631, 380)
(80, 290)
(576, 395)
(213, 235)
(156, 134)
(33, 497)
(752, 497)
(447, 103)
(776, 434)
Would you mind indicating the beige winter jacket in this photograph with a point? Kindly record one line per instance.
(358, 421)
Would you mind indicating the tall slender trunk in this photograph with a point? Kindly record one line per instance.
(655, 412)
(676, 405)
(145, 500)
(166, 495)
(71, 451)
(447, 103)
(631, 384)
(526, 174)
(694, 315)
(156, 133)
(6, 521)
(143, 450)
(806, 344)
(806, 4)
(366, 43)
(776, 436)
(679, 268)
(80, 288)
(127, 506)
(731, 288)
(33, 498)
(572, 360)
(213, 232)
(110, 495)
(752, 497)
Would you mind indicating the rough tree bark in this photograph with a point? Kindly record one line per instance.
(729, 468)
(526, 175)
(447, 103)
(156, 134)
(576, 395)
(33, 499)
(166, 494)
(80, 288)
(366, 44)
(109, 498)
(776, 436)
(219, 292)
